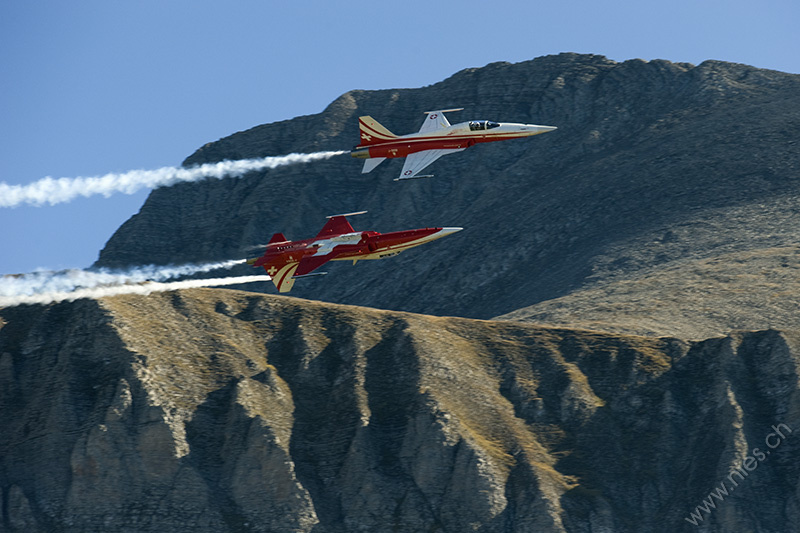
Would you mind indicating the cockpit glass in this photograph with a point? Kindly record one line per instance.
(476, 125)
(490, 125)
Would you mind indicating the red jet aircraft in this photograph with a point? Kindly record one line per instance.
(285, 260)
(435, 139)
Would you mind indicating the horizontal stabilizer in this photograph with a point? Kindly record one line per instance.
(369, 164)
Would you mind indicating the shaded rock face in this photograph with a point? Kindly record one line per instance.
(217, 410)
(690, 299)
(654, 163)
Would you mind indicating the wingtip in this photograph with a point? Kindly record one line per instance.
(347, 214)
(444, 110)
(405, 178)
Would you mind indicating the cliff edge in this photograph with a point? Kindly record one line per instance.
(219, 410)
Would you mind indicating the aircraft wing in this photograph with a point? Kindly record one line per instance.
(312, 262)
(434, 121)
(419, 160)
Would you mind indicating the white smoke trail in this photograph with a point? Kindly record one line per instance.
(44, 281)
(143, 289)
(47, 286)
(55, 191)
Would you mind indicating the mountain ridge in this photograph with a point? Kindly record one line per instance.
(693, 299)
(201, 410)
(644, 150)
(646, 252)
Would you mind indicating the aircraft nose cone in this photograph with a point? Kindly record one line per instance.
(448, 231)
(443, 232)
(536, 129)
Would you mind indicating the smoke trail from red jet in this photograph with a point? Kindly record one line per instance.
(55, 191)
(114, 290)
(46, 287)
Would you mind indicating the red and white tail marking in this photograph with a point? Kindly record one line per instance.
(282, 271)
(373, 132)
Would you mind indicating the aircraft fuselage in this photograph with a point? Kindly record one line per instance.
(286, 260)
(353, 246)
(455, 137)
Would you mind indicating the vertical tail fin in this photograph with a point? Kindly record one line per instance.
(282, 272)
(280, 265)
(373, 132)
(280, 268)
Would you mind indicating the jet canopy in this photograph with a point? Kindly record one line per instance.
(477, 125)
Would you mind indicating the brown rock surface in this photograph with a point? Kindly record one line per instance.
(690, 299)
(663, 208)
(218, 410)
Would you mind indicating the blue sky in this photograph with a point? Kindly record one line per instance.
(92, 87)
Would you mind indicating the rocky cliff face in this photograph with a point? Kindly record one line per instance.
(690, 299)
(664, 205)
(218, 410)
(655, 164)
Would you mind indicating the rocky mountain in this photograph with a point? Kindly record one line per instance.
(644, 376)
(690, 299)
(218, 410)
(654, 165)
